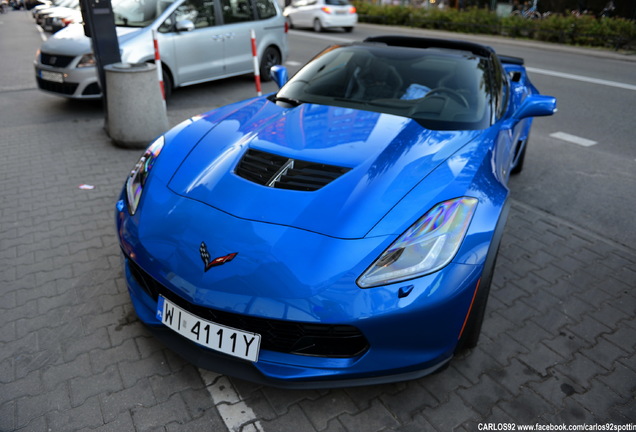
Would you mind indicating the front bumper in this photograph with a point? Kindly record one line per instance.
(412, 328)
(69, 82)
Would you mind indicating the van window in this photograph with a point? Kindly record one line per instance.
(200, 12)
(138, 13)
(265, 9)
(237, 11)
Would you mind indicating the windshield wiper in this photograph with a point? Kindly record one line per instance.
(287, 100)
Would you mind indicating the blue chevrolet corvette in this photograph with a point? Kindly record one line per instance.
(342, 231)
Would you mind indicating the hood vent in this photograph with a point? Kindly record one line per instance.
(283, 173)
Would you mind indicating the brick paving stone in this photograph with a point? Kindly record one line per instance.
(484, 395)
(293, 420)
(172, 410)
(527, 407)
(450, 414)
(84, 416)
(375, 418)
(322, 410)
(411, 400)
(114, 404)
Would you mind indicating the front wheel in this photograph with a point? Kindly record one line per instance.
(474, 322)
(271, 57)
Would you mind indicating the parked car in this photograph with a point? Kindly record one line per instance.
(341, 231)
(198, 40)
(322, 14)
(63, 6)
(61, 18)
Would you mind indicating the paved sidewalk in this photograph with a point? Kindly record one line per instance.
(557, 347)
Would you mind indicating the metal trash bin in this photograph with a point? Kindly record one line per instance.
(135, 106)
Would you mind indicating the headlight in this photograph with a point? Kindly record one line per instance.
(427, 246)
(139, 174)
(87, 60)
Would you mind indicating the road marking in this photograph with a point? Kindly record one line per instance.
(237, 416)
(293, 63)
(582, 78)
(573, 139)
(43, 35)
(338, 39)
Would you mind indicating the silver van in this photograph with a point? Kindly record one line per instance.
(199, 40)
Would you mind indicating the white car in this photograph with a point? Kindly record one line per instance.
(321, 14)
(199, 40)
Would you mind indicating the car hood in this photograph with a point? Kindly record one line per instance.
(72, 41)
(384, 157)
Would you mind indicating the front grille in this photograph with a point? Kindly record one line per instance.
(284, 173)
(62, 88)
(55, 60)
(293, 337)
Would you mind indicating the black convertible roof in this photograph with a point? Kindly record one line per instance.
(417, 42)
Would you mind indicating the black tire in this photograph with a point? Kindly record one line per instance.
(318, 26)
(348, 29)
(470, 336)
(519, 165)
(167, 83)
(271, 57)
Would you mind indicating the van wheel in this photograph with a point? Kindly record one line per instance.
(317, 25)
(271, 57)
(167, 83)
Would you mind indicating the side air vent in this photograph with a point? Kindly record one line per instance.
(283, 173)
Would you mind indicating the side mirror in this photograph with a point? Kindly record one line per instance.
(279, 75)
(536, 106)
(184, 26)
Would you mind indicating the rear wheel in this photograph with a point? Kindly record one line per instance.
(348, 29)
(317, 25)
(271, 57)
(519, 165)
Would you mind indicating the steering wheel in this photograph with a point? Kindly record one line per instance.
(458, 97)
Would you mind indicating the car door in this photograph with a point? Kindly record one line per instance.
(197, 50)
(238, 20)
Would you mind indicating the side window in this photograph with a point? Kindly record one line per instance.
(265, 9)
(500, 90)
(235, 11)
(200, 12)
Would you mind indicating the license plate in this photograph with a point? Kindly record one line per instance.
(341, 12)
(52, 76)
(228, 340)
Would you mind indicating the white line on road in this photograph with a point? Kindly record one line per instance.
(582, 78)
(237, 416)
(573, 139)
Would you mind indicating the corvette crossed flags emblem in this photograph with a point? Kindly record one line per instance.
(208, 264)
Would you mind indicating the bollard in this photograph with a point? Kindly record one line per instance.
(136, 110)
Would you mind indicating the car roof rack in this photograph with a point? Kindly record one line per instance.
(419, 42)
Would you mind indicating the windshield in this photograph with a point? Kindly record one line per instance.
(138, 13)
(441, 89)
